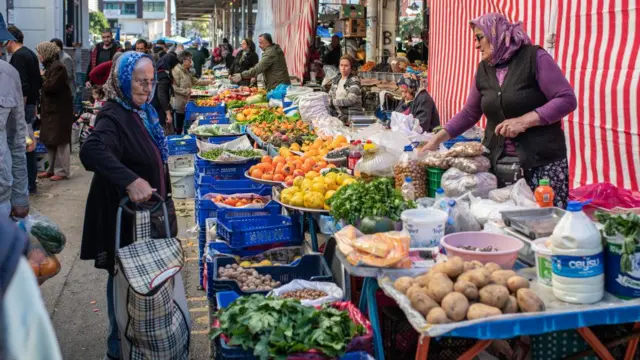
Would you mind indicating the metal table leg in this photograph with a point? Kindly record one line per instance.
(369, 304)
(312, 232)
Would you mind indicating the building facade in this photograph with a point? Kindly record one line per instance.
(136, 19)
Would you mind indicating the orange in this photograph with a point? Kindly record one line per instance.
(279, 160)
(307, 167)
(278, 169)
(257, 173)
(266, 159)
(278, 177)
(267, 167)
(322, 163)
(310, 162)
(287, 170)
(298, 163)
(267, 176)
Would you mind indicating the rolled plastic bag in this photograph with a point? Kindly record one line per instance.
(471, 165)
(334, 293)
(457, 183)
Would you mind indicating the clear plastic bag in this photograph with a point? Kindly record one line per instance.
(471, 165)
(460, 217)
(484, 210)
(334, 293)
(457, 183)
(46, 232)
(375, 162)
(466, 149)
(44, 264)
(408, 165)
(519, 193)
(435, 159)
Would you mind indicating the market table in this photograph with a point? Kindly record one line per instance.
(557, 317)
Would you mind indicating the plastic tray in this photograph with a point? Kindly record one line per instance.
(179, 145)
(534, 223)
(222, 139)
(260, 181)
(223, 171)
(249, 231)
(276, 198)
(449, 143)
(221, 248)
(312, 267)
(231, 186)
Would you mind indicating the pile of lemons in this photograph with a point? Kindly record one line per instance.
(313, 190)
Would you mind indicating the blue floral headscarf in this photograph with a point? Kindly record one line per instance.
(118, 89)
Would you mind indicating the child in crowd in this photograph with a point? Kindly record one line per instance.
(84, 124)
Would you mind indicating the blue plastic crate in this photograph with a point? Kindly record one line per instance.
(212, 119)
(459, 139)
(40, 148)
(222, 139)
(192, 111)
(207, 209)
(312, 267)
(179, 145)
(250, 231)
(223, 248)
(231, 186)
(223, 171)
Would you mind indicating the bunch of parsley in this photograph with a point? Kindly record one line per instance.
(274, 328)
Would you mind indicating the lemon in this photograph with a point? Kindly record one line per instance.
(319, 187)
(340, 178)
(330, 183)
(265, 263)
(349, 181)
(297, 200)
(314, 200)
(312, 174)
(285, 198)
(331, 175)
(298, 181)
(306, 185)
(245, 264)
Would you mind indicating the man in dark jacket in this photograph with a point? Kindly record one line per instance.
(198, 58)
(273, 65)
(28, 66)
(332, 57)
(102, 52)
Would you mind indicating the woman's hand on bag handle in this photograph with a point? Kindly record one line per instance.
(140, 190)
(435, 141)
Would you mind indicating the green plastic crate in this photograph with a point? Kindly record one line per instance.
(434, 176)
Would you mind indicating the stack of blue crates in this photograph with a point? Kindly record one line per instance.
(215, 114)
(181, 145)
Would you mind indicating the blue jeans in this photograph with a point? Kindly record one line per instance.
(32, 163)
(113, 340)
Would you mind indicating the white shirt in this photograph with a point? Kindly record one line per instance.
(341, 93)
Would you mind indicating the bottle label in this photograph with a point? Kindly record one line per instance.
(578, 266)
(546, 198)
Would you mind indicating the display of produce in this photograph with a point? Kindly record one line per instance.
(304, 294)
(456, 290)
(282, 131)
(241, 201)
(314, 190)
(216, 130)
(286, 169)
(214, 154)
(385, 249)
(360, 200)
(273, 328)
(254, 113)
(209, 102)
(628, 227)
(234, 104)
(322, 146)
(409, 166)
(248, 279)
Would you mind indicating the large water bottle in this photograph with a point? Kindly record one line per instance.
(408, 190)
(576, 258)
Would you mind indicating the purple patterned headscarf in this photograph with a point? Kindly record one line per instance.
(505, 37)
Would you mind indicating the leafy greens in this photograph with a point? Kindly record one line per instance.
(626, 225)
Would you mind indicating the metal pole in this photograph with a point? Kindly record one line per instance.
(243, 9)
(372, 30)
(250, 22)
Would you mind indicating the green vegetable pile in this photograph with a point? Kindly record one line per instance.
(215, 153)
(628, 226)
(376, 198)
(234, 104)
(216, 130)
(274, 328)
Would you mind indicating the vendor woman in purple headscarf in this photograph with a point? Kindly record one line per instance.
(524, 95)
(417, 102)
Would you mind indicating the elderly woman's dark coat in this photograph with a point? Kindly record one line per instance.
(56, 106)
(118, 151)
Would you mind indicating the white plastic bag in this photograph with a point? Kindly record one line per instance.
(457, 183)
(334, 293)
(460, 217)
(329, 73)
(520, 193)
(485, 210)
(376, 163)
(471, 165)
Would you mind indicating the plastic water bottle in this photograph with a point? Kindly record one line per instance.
(577, 259)
(407, 189)
(439, 194)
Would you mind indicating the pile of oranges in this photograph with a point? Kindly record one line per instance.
(285, 169)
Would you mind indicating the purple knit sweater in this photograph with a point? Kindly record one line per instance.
(553, 84)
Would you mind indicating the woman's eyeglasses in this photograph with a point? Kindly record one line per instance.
(146, 83)
(479, 37)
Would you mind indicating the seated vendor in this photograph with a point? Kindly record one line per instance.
(345, 96)
(417, 102)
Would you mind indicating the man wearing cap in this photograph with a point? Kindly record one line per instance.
(26, 62)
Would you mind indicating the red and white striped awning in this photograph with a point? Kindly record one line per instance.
(597, 46)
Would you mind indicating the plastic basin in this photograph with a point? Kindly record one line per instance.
(507, 246)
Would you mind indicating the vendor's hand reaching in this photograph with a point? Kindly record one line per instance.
(511, 128)
(431, 145)
(236, 78)
(140, 190)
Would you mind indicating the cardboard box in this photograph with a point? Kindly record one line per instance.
(354, 28)
(352, 12)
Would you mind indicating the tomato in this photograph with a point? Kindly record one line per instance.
(231, 201)
(266, 159)
(267, 176)
(257, 173)
(278, 177)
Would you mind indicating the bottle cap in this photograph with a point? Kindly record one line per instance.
(574, 206)
(408, 179)
(408, 148)
(544, 182)
(439, 191)
(451, 203)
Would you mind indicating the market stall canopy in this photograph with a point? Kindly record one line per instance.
(190, 9)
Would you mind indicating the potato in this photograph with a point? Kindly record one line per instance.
(477, 277)
(422, 302)
(481, 311)
(515, 283)
(500, 277)
(492, 267)
(439, 286)
(466, 288)
(455, 305)
(511, 306)
(414, 289)
(470, 265)
(528, 301)
(423, 280)
(438, 268)
(454, 266)
(403, 284)
(494, 295)
(477, 264)
(437, 315)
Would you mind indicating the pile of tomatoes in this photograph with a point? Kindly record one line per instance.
(240, 201)
(285, 169)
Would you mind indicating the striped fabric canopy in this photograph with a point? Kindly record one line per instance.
(596, 43)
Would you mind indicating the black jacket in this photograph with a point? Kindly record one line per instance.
(162, 98)
(118, 151)
(28, 66)
(239, 64)
(518, 95)
(424, 109)
(333, 57)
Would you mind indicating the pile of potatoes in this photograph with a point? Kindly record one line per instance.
(458, 290)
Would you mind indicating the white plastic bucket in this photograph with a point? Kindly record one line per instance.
(182, 184)
(543, 261)
(425, 226)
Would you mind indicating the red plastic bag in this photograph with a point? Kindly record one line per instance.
(606, 196)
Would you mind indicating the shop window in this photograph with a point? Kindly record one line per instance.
(111, 6)
(129, 9)
(153, 6)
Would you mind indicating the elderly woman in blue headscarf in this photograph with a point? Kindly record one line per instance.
(127, 153)
(417, 102)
